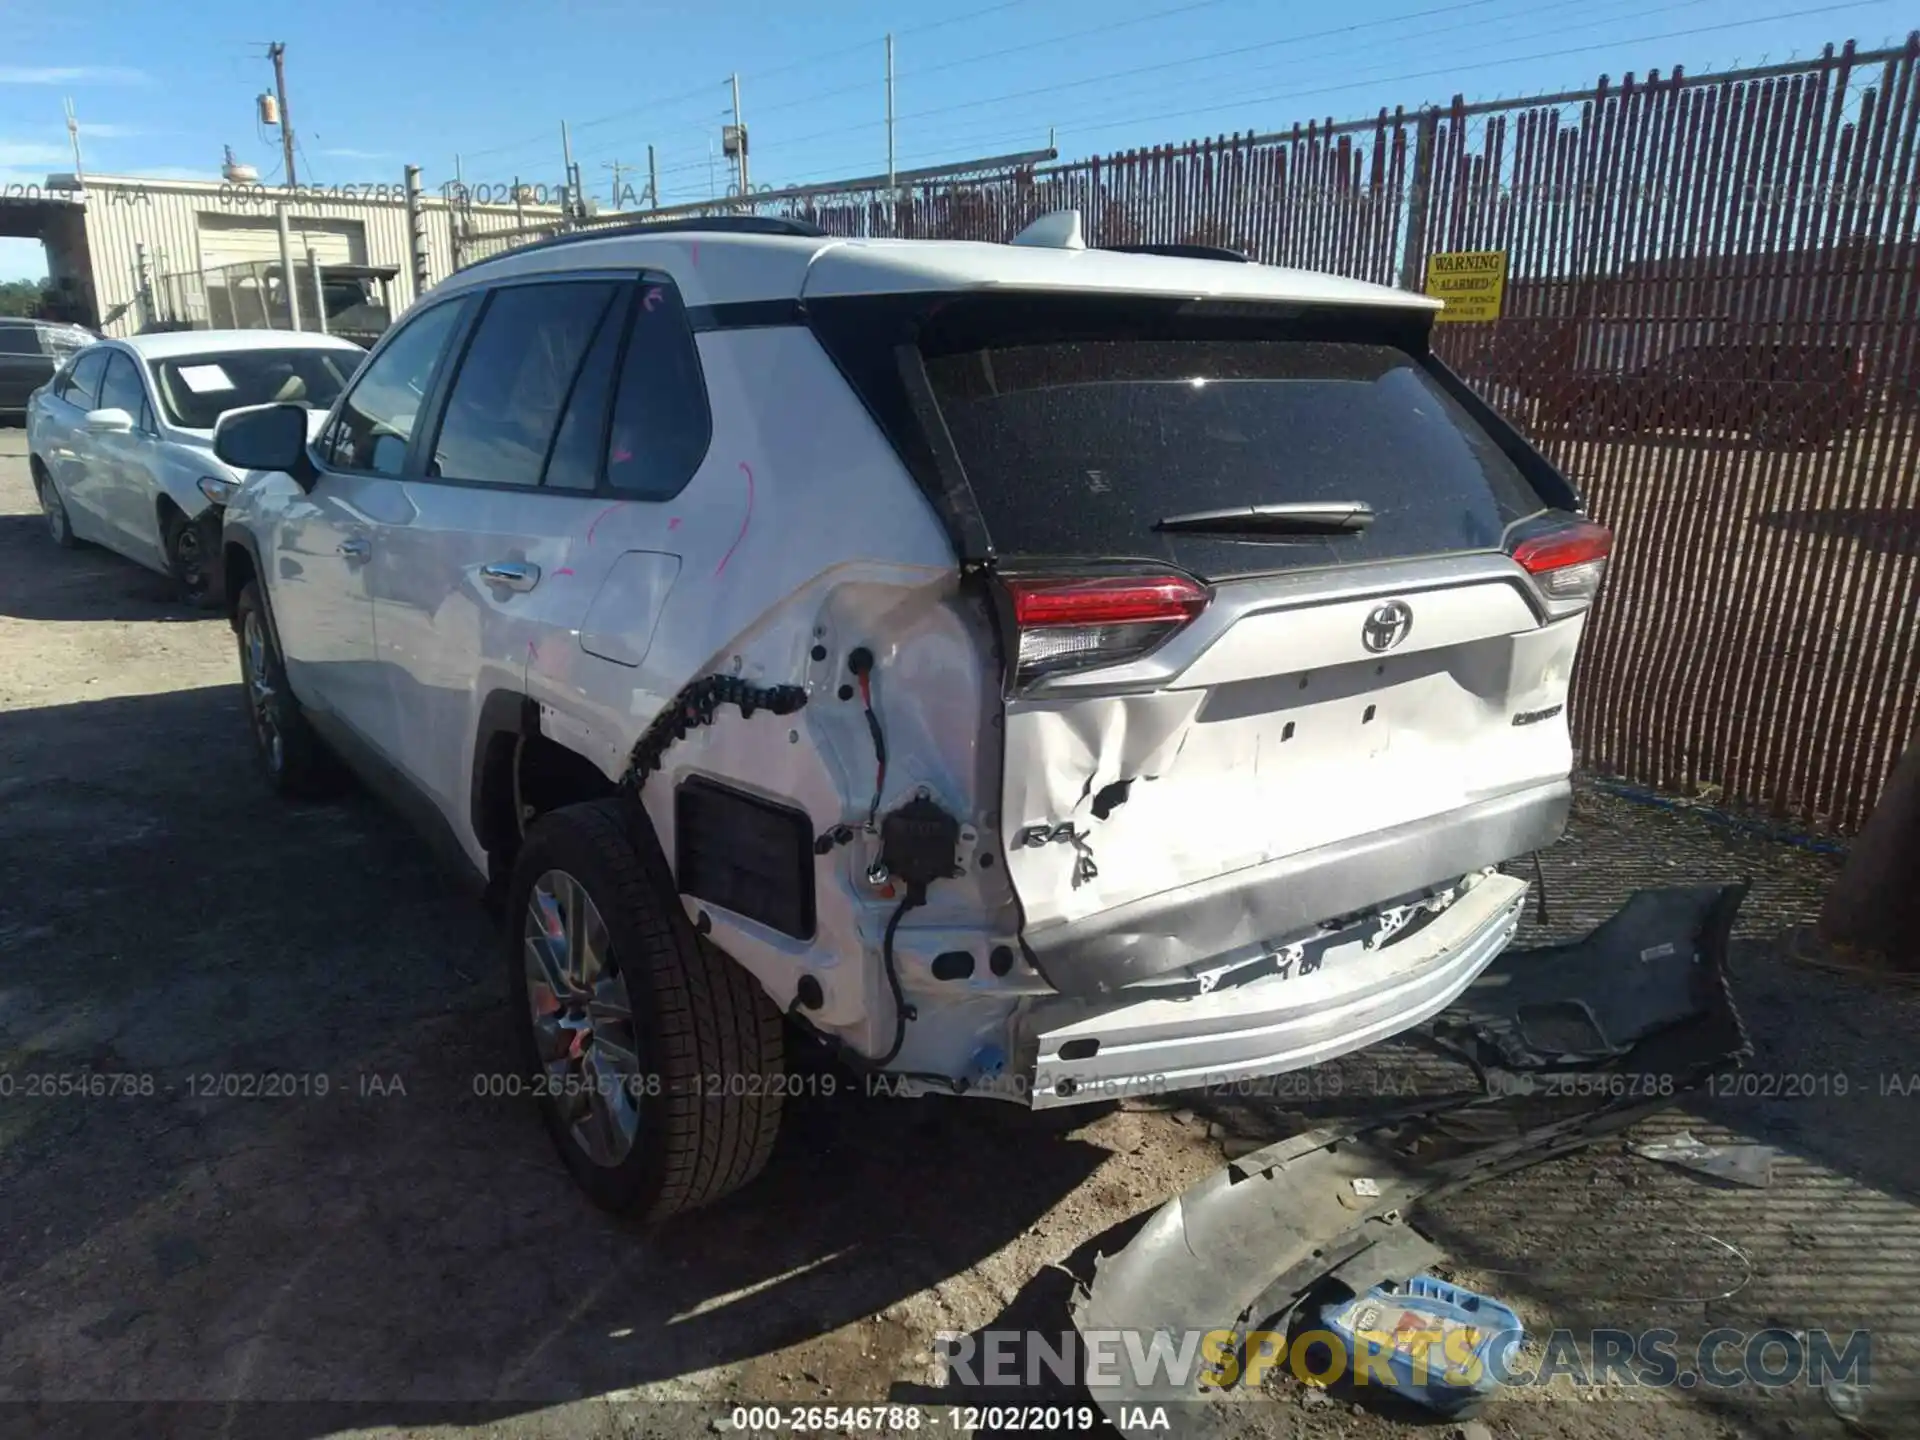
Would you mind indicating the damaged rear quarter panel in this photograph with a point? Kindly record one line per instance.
(838, 550)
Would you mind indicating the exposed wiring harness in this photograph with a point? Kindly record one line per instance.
(902, 1011)
(861, 663)
(695, 706)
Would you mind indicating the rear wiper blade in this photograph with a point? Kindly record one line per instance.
(1317, 517)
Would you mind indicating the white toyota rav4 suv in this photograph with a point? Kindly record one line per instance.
(1034, 671)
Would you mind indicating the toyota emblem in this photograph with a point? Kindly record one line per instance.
(1387, 625)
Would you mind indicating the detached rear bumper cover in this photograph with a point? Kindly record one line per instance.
(1354, 998)
(1192, 924)
(1643, 996)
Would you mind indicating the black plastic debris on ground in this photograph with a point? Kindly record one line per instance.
(1642, 1006)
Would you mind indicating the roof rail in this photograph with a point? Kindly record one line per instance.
(723, 224)
(1183, 252)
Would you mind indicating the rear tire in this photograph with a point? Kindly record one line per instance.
(694, 1114)
(193, 555)
(295, 762)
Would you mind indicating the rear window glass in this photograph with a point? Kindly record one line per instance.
(1079, 448)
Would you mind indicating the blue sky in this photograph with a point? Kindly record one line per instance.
(160, 89)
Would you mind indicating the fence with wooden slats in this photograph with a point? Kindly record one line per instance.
(1709, 321)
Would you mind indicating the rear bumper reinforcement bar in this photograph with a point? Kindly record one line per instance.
(1354, 997)
(1289, 896)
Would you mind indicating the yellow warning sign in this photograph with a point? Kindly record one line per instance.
(1472, 282)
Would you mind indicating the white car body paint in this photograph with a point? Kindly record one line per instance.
(112, 483)
(1263, 737)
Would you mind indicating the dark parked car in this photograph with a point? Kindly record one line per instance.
(30, 351)
(1785, 393)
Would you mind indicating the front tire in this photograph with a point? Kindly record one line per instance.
(658, 1064)
(59, 524)
(193, 555)
(290, 754)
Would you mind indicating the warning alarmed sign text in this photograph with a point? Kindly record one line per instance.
(1472, 282)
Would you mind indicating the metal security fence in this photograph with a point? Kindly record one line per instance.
(1711, 317)
(247, 295)
(352, 301)
(1707, 316)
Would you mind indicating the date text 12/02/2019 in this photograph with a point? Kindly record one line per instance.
(897, 1419)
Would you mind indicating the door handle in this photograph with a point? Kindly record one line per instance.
(355, 549)
(512, 574)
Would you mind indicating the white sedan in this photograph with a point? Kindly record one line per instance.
(121, 439)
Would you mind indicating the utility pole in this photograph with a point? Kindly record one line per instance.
(616, 167)
(73, 134)
(417, 245)
(458, 214)
(653, 178)
(277, 53)
(740, 136)
(573, 204)
(889, 118)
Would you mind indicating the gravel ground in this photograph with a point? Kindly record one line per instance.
(402, 1254)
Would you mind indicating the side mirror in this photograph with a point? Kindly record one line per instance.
(112, 421)
(267, 437)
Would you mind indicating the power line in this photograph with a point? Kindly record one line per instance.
(1454, 69)
(1109, 76)
(1106, 76)
(957, 19)
(655, 105)
(1457, 5)
(1060, 39)
(970, 135)
(999, 54)
(652, 105)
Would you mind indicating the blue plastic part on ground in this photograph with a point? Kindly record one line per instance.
(1444, 1346)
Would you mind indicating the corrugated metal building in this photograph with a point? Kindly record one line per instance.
(172, 233)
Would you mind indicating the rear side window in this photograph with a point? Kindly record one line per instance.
(504, 410)
(1080, 448)
(19, 340)
(122, 390)
(575, 463)
(661, 424)
(83, 381)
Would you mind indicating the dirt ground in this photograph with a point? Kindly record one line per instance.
(380, 1249)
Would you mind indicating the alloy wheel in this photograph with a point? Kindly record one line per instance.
(262, 700)
(583, 1027)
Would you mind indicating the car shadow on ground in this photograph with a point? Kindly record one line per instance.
(253, 1145)
(39, 581)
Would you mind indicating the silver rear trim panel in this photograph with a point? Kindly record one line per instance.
(1357, 997)
(1284, 898)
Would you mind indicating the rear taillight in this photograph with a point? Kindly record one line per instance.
(1081, 624)
(1567, 562)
